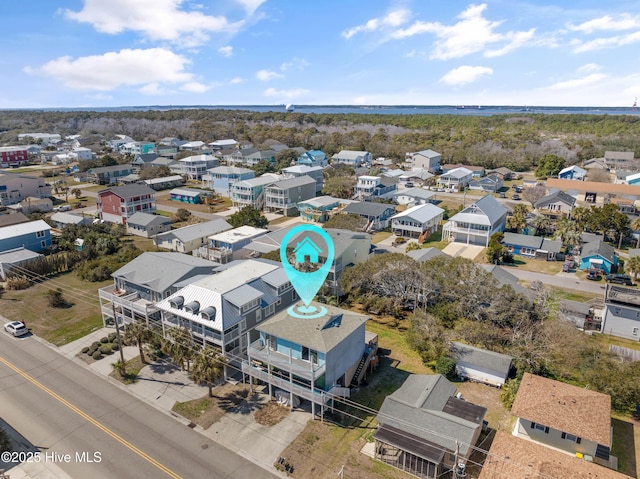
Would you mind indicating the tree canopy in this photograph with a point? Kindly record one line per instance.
(248, 216)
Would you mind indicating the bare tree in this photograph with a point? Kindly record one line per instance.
(533, 194)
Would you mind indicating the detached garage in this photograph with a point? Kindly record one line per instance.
(481, 365)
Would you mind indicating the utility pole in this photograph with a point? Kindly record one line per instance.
(115, 320)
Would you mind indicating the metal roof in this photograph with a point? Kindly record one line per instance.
(481, 357)
(20, 229)
(420, 193)
(146, 219)
(368, 208)
(421, 213)
(242, 295)
(424, 254)
(293, 182)
(486, 206)
(199, 230)
(129, 191)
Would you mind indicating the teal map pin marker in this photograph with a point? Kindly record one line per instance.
(307, 248)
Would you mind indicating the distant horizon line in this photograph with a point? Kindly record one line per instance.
(523, 108)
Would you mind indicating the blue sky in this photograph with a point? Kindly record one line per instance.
(76, 53)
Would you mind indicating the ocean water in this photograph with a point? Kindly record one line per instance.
(474, 110)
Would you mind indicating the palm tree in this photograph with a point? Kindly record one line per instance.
(567, 231)
(518, 219)
(633, 266)
(120, 367)
(137, 333)
(208, 367)
(580, 215)
(179, 345)
(635, 226)
(542, 224)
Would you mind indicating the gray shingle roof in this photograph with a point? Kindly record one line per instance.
(129, 191)
(522, 240)
(368, 208)
(200, 230)
(598, 248)
(418, 193)
(417, 408)
(481, 357)
(294, 182)
(160, 271)
(321, 334)
(425, 254)
(556, 196)
(146, 219)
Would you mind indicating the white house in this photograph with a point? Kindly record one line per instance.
(457, 179)
(426, 159)
(477, 222)
(420, 220)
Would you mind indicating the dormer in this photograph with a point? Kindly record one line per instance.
(208, 313)
(193, 307)
(177, 302)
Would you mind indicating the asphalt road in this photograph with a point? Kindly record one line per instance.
(561, 280)
(62, 408)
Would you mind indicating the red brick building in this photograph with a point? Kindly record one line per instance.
(13, 156)
(117, 204)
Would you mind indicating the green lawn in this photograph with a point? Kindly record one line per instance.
(379, 236)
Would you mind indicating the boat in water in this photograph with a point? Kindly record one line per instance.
(289, 107)
(468, 107)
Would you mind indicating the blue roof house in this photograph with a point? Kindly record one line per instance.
(33, 235)
(598, 255)
(307, 248)
(313, 158)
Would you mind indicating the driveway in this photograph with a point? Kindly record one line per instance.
(468, 251)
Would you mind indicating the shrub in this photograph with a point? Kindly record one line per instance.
(55, 298)
(95, 345)
(17, 284)
(85, 349)
(446, 366)
(97, 355)
(112, 337)
(104, 340)
(114, 346)
(105, 349)
(509, 391)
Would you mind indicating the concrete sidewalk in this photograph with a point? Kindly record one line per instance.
(162, 384)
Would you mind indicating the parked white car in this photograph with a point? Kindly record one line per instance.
(16, 328)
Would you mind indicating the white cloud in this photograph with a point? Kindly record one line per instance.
(267, 75)
(195, 87)
(154, 19)
(294, 64)
(114, 69)
(250, 6)
(465, 74)
(579, 82)
(226, 51)
(237, 81)
(393, 19)
(607, 23)
(286, 94)
(589, 67)
(602, 43)
(472, 33)
(152, 89)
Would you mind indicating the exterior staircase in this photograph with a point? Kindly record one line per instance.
(355, 381)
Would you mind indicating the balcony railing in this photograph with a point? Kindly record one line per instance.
(304, 369)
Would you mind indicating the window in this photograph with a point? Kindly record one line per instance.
(571, 437)
(40, 234)
(635, 331)
(44, 245)
(540, 427)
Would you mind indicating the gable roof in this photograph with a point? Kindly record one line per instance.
(69, 218)
(146, 219)
(424, 407)
(293, 182)
(481, 357)
(417, 193)
(490, 208)
(368, 208)
(129, 191)
(574, 168)
(562, 406)
(503, 277)
(350, 154)
(598, 248)
(424, 254)
(457, 173)
(593, 187)
(522, 240)
(511, 457)
(160, 271)
(322, 334)
(20, 229)
(13, 219)
(554, 197)
(427, 153)
(199, 230)
(420, 213)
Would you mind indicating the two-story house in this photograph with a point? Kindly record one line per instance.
(378, 215)
(223, 309)
(414, 196)
(369, 188)
(108, 175)
(224, 144)
(313, 158)
(426, 159)
(15, 188)
(284, 196)
(621, 315)
(189, 238)
(138, 147)
(417, 221)
(148, 225)
(352, 158)
(194, 167)
(457, 179)
(257, 156)
(313, 359)
(13, 156)
(144, 281)
(573, 172)
(417, 177)
(118, 203)
(225, 247)
(491, 183)
(251, 192)
(315, 172)
(221, 178)
(567, 418)
(477, 222)
(318, 209)
(32, 235)
(424, 427)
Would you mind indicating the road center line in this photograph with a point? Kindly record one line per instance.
(97, 424)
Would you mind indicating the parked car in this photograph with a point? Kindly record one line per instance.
(515, 196)
(409, 184)
(619, 279)
(16, 328)
(593, 275)
(503, 195)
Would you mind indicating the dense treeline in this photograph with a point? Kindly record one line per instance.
(517, 141)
